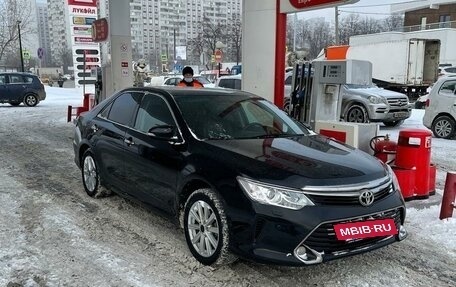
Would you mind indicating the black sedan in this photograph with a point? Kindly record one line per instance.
(240, 176)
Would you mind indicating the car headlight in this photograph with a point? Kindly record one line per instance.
(396, 186)
(274, 195)
(377, 100)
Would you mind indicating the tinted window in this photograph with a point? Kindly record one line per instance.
(2, 79)
(16, 79)
(237, 84)
(451, 70)
(153, 112)
(288, 80)
(227, 83)
(124, 108)
(28, 79)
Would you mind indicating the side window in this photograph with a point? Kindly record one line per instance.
(124, 108)
(153, 112)
(16, 79)
(448, 87)
(227, 83)
(451, 70)
(105, 112)
(28, 79)
(2, 79)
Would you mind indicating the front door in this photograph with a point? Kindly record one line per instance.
(16, 88)
(152, 163)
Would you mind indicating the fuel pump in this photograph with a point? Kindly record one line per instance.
(320, 107)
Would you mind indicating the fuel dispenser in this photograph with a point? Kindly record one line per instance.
(317, 100)
(97, 74)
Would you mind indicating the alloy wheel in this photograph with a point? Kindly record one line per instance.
(31, 100)
(90, 173)
(203, 228)
(443, 128)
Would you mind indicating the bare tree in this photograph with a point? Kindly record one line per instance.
(235, 40)
(212, 33)
(13, 14)
(196, 48)
(349, 26)
(393, 23)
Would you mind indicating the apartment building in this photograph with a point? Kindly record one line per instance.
(157, 26)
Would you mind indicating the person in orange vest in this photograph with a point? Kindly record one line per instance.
(188, 80)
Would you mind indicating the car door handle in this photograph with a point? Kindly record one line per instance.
(94, 128)
(129, 141)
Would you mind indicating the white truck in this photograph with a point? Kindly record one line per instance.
(399, 62)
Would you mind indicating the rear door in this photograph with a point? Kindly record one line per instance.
(416, 61)
(110, 127)
(445, 102)
(16, 87)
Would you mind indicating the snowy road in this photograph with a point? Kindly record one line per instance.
(53, 234)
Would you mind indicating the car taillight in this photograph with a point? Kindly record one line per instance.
(428, 102)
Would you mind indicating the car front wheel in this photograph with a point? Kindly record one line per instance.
(206, 228)
(30, 100)
(357, 114)
(444, 127)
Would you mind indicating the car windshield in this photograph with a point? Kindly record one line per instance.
(202, 80)
(236, 117)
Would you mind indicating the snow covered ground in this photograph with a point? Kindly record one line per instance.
(52, 234)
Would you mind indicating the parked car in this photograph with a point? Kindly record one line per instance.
(229, 82)
(173, 81)
(440, 110)
(447, 71)
(240, 176)
(369, 103)
(17, 88)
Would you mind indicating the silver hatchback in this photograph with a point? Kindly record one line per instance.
(440, 113)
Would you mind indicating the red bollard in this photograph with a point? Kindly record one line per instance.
(449, 195)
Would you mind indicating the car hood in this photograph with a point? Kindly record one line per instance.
(298, 161)
(376, 92)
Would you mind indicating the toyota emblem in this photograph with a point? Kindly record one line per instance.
(366, 198)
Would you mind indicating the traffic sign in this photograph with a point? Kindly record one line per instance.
(40, 53)
(164, 58)
(26, 54)
(218, 56)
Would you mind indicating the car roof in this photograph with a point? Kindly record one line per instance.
(177, 92)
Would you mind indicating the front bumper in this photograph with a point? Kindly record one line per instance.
(382, 113)
(306, 236)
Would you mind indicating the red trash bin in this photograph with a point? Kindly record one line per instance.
(414, 150)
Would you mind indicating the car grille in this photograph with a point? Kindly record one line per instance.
(323, 238)
(398, 102)
(350, 198)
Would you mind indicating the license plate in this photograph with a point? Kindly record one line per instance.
(400, 114)
(365, 229)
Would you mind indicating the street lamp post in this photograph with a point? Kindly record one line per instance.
(20, 44)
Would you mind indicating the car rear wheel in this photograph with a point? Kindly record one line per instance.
(30, 100)
(444, 127)
(91, 176)
(357, 114)
(206, 228)
(393, 124)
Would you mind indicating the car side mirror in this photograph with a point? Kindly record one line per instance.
(165, 132)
